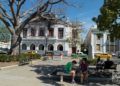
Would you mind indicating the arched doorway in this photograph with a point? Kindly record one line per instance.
(32, 47)
(41, 47)
(24, 47)
(60, 47)
(50, 47)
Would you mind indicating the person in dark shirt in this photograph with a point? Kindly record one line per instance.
(99, 65)
(83, 70)
(108, 64)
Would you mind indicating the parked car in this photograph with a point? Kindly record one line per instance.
(3, 52)
(81, 54)
(113, 54)
(103, 55)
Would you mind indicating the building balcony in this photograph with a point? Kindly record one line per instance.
(38, 37)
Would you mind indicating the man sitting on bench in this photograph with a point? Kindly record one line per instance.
(70, 68)
(108, 64)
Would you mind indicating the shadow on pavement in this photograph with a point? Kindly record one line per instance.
(53, 80)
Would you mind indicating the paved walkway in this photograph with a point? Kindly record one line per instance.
(36, 75)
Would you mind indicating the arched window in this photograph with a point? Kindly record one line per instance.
(60, 47)
(41, 47)
(24, 47)
(50, 47)
(32, 47)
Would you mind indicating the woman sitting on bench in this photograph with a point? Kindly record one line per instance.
(70, 68)
(83, 70)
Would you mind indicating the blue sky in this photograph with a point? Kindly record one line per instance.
(87, 10)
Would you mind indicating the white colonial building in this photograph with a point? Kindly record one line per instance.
(40, 37)
(99, 42)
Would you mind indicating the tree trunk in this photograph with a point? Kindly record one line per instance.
(14, 49)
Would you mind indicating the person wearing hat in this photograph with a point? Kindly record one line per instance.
(70, 68)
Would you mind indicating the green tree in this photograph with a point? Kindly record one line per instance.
(109, 18)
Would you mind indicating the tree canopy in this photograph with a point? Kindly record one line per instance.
(109, 18)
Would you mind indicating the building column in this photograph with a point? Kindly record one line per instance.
(28, 47)
(37, 48)
(55, 32)
(55, 47)
(104, 42)
(29, 32)
(37, 31)
(93, 46)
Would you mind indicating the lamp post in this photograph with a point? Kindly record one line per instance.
(46, 40)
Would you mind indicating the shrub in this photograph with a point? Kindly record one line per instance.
(92, 61)
(21, 57)
(5, 58)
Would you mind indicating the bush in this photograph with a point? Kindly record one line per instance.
(22, 56)
(32, 55)
(36, 56)
(92, 61)
(5, 58)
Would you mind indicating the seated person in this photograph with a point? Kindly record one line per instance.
(83, 70)
(70, 68)
(99, 65)
(108, 64)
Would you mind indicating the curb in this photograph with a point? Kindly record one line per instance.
(11, 66)
(6, 67)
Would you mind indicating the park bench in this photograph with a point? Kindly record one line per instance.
(91, 73)
(63, 74)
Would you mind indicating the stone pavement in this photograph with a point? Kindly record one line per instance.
(37, 75)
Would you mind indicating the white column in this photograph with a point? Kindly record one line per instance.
(55, 47)
(28, 47)
(55, 32)
(37, 48)
(28, 32)
(37, 31)
(104, 42)
(92, 45)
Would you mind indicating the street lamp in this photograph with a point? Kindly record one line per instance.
(46, 39)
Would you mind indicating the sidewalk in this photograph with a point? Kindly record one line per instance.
(36, 75)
